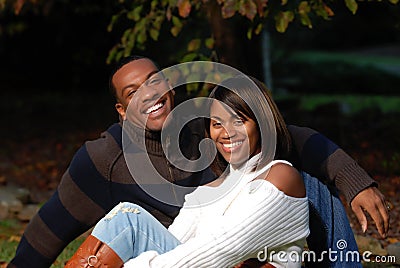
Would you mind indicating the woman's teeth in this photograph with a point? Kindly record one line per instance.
(231, 145)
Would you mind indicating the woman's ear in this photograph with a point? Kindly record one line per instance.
(121, 110)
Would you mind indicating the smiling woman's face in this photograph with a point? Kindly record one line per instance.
(236, 138)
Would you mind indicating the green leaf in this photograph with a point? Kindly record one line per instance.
(154, 4)
(249, 33)
(176, 22)
(157, 22)
(112, 54)
(154, 33)
(194, 45)
(282, 20)
(135, 13)
(209, 42)
(141, 36)
(303, 10)
(176, 29)
(189, 57)
(305, 20)
(394, 2)
(352, 6)
(259, 28)
(114, 19)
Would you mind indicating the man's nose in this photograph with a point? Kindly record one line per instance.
(149, 93)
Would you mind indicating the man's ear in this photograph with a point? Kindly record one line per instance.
(121, 110)
(170, 87)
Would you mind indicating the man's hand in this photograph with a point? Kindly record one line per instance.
(372, 201)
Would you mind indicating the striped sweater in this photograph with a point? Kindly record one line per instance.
(98, 179)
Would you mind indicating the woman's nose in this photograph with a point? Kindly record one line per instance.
(228, 131)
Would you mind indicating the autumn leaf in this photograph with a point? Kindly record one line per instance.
(228, 9)
(194, 45)
(248, 8)
(261, 4)
(18, 6)
(2, 4)
(184, 8)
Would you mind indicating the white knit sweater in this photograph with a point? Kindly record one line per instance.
(240, 219)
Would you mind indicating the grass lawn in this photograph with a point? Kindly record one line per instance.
(10, 231)
(387, 63)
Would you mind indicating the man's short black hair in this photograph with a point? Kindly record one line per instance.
(122, 62)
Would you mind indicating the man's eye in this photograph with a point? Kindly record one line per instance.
(131, 93)
(155, 81)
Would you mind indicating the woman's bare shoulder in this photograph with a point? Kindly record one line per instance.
(287, 179)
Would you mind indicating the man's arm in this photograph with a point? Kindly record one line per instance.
(322, 158)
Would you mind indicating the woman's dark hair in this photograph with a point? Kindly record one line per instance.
(248, 97)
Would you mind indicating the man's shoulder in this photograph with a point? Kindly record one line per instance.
(107, 146)
(99, 153)
(112, 136)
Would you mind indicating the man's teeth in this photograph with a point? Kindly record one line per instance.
(230, 145)
(155, 107)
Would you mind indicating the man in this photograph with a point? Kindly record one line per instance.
(98, 177)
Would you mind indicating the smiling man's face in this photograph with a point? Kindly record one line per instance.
(144, 96)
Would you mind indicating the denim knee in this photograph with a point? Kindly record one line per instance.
(123, 207)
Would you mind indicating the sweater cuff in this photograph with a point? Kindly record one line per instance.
(353, 179)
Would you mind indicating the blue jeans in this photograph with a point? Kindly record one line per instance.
(330, 233)
(130, 230)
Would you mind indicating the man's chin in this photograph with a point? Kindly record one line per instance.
(154, 126)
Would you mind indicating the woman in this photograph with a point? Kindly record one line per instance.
(256, 208)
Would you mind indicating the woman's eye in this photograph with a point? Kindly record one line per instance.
(238, 122)
(216, 124)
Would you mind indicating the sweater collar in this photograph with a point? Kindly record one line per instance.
(144, 139)
(249, 166)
